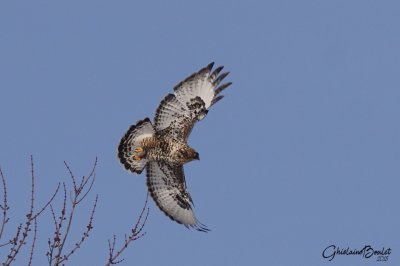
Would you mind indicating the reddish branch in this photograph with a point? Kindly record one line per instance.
(136, 233)
(23, 231)
(33, 243)
(4, 207)
(56, 254)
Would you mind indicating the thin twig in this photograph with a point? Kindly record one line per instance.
(17, 242)
(5, 244)
(57, 246)
(33, 242)
(49, 254)
(82, 185)
(57, 224)
(4, 206)
(85, 235)
(16, 248)
(47, 203)
(136, 233)
(14, 240)
(111, 247)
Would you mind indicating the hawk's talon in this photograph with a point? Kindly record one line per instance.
(137, 158)
(138, 150)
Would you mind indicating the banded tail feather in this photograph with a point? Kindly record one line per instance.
(131, 141)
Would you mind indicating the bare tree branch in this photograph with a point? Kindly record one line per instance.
(85, 234)
(33, 243)
(63, 219)
(136, 233)
(17, 242)
(4, 207)
(56, 254)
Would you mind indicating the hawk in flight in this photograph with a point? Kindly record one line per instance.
(161, 147)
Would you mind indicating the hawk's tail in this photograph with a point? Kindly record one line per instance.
(129, 152)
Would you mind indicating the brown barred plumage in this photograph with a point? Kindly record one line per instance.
(162, 148)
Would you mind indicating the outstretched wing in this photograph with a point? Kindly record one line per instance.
(167, 187)
(178, 112)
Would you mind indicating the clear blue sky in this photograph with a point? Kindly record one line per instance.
(303, 152)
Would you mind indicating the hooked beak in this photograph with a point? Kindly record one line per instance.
(196, 156)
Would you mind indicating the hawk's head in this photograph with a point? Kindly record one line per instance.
(187, 154)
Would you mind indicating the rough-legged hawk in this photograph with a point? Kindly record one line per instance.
(162, 147)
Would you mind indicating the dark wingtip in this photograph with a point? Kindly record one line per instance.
(210, 66)
(215, 73)
(220, 78)
(217, 99)
(222, 87)
(145, 120)
(201, 227)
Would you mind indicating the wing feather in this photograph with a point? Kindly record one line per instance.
(192, 98)
(167, 187)
(169, 111)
